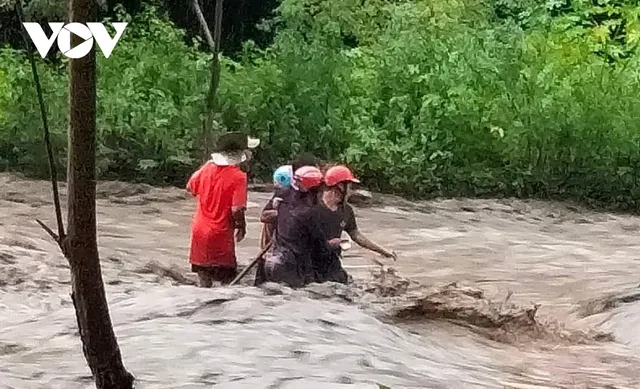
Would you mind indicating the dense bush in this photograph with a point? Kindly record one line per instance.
(437, 98)
(422, 97)
(149, 106)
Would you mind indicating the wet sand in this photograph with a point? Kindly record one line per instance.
(561, 257)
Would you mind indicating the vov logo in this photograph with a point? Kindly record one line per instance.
(62, 33)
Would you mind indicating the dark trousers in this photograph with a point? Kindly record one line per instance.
(329, 268)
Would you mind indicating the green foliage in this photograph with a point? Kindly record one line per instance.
(21, 135)
(48, 9)
(612, 27)
(421, 97)
(150, 94)
(435, 98)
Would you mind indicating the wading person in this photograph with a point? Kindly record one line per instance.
(269, 212)
(336, 216)
(281, 180)
(297, 235)
(220, 187)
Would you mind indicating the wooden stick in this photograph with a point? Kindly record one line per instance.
(252, 264)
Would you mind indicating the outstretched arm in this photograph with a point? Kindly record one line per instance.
(351, 228)
(366, 243)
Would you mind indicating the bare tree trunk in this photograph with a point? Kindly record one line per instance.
(80, 244)
(212, 95)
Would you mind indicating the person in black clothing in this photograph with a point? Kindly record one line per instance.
(270, 213)
(336, 216)
(282, 178)
(297, 233)
(328, 267)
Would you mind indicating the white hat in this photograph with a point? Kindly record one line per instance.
(233, 149)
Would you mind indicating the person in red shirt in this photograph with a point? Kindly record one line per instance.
(220, 187)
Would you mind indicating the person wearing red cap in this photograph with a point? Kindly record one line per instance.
(336, 216)
(297, 235)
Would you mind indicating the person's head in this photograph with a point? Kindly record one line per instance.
(307, 181)
(304, 159)
(233, 148)
(283, 176)
(338, 181)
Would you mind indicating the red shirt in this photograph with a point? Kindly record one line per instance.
(218, 189)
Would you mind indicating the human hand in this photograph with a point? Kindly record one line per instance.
(391, 254)
(240, 234)
(335, 242)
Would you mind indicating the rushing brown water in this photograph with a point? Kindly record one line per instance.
(580, 267)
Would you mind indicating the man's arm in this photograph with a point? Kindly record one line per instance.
(239, 206)
(193, 184)
(269, 216)
(366, 243)
(239, 219)
(352, 229)
(269, 212)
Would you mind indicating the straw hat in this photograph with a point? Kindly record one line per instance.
(233, 148)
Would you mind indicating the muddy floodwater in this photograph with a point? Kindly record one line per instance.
(485, 294)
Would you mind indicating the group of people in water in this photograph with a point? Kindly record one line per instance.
(303, 222)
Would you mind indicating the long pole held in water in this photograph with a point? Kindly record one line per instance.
(252, 264)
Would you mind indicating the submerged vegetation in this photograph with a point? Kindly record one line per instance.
(421, 97)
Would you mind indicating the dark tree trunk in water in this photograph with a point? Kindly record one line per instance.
(80, 245)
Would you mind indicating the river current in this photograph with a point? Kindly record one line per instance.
(485, 294)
